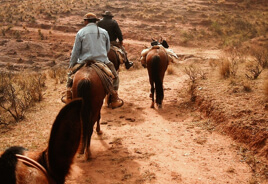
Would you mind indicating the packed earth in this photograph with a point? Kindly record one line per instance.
(210, 129)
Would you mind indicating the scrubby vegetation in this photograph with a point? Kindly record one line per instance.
(18, 92)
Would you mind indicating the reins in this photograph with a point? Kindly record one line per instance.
(32, 163)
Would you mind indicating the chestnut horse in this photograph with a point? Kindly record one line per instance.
(157, 63)
(114, 58)
(51, 165)
(88, 86)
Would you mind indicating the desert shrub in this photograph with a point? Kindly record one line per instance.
(41, 35)
(225, 68)
(230, 63)
(247, 87)
(253, 69)
(59, 74)
(18, 92)
(216, 27)
(260, 55)
(187, 37)
(193, 73)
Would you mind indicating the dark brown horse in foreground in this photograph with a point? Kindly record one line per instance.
(157, 63)
(18, 166)
(88, 86)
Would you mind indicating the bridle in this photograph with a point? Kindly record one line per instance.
(30, 162)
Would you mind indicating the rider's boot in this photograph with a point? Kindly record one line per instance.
(115, 101)
(68, 97)
(69, 94)
(128, 64)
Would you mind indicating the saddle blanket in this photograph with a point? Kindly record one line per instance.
(105, 69)
(119, 52)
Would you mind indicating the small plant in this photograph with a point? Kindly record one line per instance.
(229, 65)
(253, 70)
(59, 74)
(191, 71)
(260, 55)
(18, 92)
(41, 35)
(225, 68)
(3, 32)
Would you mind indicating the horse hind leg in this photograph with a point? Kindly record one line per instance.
(87, 145)
(152, 95)
(98, 130)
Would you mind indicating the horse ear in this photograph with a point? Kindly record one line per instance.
(64, 140)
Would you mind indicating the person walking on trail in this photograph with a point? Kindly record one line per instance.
(92, 43)
(114, 31)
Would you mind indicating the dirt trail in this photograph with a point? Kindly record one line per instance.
(140, 144)
(169, 145)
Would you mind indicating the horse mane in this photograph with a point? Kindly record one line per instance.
(8, 162)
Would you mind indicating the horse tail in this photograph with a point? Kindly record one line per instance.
(157, 79)
(83, 91)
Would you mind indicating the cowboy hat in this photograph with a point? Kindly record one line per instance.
(107, 14)
(90, 16)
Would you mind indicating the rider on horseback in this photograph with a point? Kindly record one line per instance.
(92, 43)
(112, 27)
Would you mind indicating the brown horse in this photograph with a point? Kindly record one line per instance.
(157, 63)
(88, 86)
(114, 58)
(51, 165)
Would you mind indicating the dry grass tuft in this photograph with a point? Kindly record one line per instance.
(171, 70)
(247, 87)
(59, 74)
(253, 70)
(194, 73)
(225, 68)
(18, 92)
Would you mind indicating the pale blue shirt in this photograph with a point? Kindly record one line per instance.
(91, 43)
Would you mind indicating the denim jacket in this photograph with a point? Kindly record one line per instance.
(91, 43)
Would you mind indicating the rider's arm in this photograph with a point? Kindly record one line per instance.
(76, 50)
(118, 32)
(108, 45)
